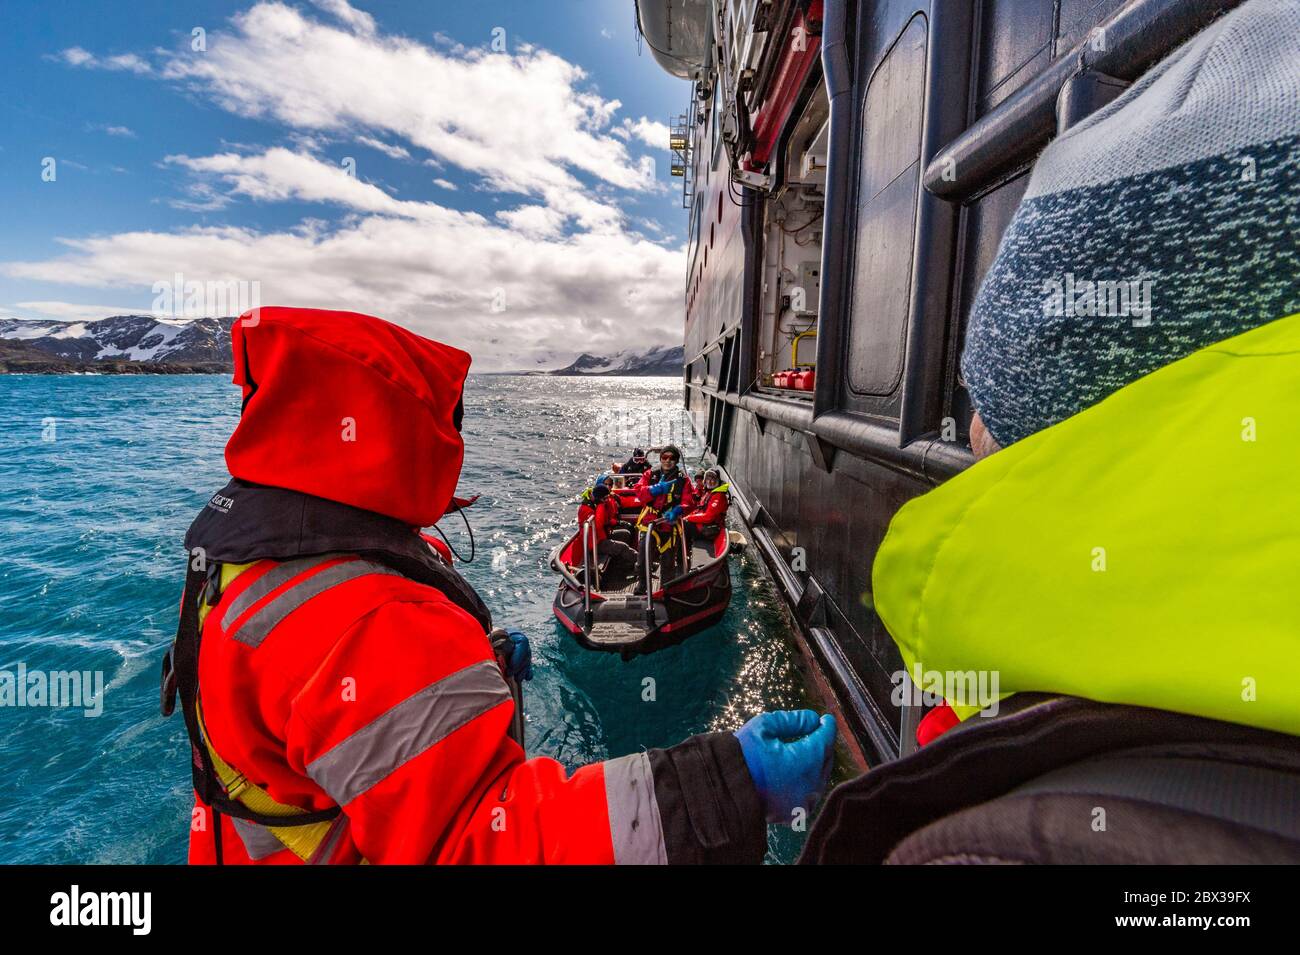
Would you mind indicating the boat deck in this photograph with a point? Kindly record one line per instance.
(619, 579)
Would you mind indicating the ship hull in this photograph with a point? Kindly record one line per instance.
(841, 224)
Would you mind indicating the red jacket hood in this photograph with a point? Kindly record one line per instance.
(349, 408)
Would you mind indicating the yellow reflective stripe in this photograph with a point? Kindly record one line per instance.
(228, 574)
(669, 541)
(303, 841)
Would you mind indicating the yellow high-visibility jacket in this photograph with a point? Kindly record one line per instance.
(1145, 551)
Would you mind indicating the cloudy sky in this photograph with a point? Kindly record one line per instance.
(492, 173)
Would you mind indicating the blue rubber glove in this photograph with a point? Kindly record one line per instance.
(519, 658)
(663, 487)
(789, 755)
(672, 513)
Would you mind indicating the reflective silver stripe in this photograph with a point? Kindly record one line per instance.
(277, 576)
(259, 842)
(420, 721)
(325, 851)
(256, 628)
(634, 825)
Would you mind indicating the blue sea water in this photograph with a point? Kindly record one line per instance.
(99, 478)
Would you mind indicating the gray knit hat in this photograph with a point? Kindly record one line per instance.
(1162, 223)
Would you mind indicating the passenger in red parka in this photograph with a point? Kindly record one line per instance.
(342, 695)
(665, 494)
(600, 508)
(710, 515)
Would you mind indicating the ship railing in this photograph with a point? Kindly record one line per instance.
(794, 348)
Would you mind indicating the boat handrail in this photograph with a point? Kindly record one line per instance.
(590, 570)
(560, 566)
(648, 565)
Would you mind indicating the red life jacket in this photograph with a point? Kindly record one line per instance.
(712, 509)
(588, 513)
(605, 515)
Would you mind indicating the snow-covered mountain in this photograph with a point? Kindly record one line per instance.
(659, 360)
(206, 341)
(126, 337)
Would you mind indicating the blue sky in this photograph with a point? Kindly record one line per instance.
(380, 156)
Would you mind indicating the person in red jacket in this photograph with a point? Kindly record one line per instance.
(600, 507)
(710, 515)
(345, 694)
(665, 494)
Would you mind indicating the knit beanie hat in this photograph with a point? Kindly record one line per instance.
(1163, 223)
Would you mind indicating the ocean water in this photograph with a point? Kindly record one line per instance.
(99, 478)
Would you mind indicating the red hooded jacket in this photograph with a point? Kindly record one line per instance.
(328, 680)
(712, 509)
(605, 515)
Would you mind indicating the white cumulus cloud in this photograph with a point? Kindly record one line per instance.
(128, 62)
(525, 121)
(556, 271)
(388, 149)
(72, 311)
(350, 16)
(505, 290)
(648, 131)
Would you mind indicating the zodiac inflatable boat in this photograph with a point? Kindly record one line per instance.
(596, 601)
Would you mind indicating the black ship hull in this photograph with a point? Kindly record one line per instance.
(848, 202)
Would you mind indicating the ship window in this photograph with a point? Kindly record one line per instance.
(888, 178)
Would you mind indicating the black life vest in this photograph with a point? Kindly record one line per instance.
(675, 493)
(646, 520)
(1024, 786)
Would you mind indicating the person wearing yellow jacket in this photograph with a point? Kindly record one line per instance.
(1143, 554)
(1125, 556)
